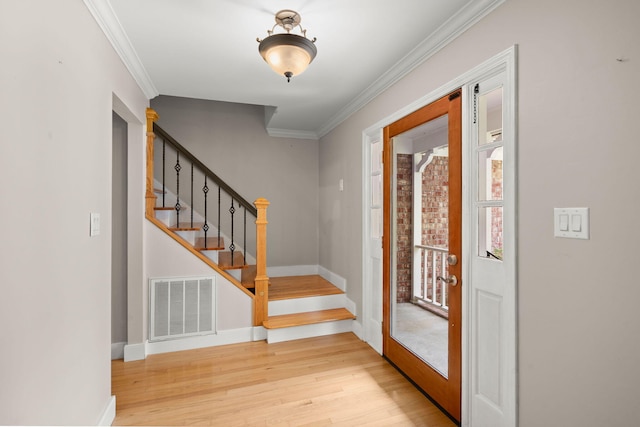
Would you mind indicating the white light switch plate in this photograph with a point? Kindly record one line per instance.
(94, 224)
(572, 223)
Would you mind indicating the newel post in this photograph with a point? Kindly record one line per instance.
(260, 307)
(150, 196)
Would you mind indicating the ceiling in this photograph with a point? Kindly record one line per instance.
(207, 49)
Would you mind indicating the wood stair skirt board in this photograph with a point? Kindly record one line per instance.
(289, 327)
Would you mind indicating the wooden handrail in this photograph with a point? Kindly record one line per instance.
(261, 301)
(183, 151)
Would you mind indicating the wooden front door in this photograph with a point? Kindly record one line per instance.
(422, 315)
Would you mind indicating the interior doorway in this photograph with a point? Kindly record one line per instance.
(119, 240)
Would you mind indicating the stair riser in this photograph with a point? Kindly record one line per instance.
(308, 331)
(168, 218)
(211, 254)
(300, 305)
(189, 236)
(236, 274)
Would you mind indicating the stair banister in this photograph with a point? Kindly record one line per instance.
(150, 197)
(260, 305)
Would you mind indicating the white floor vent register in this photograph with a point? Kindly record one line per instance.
(181, 307)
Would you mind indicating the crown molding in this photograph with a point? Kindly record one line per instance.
(447, 32)
(108, 21)
(292, 133)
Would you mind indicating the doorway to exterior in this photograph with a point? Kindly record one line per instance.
(422, 248)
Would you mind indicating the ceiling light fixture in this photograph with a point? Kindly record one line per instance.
(288, 54)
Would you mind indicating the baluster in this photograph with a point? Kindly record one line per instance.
(219, 203)
(425, 274)
(434, 275)
(164, 150)
(178, 207)
(245, 236)
(191, 200)
(232, 246)
(205, 227)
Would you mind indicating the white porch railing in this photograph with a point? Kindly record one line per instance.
(432, 263)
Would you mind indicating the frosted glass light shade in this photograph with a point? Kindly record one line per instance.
(287, 54)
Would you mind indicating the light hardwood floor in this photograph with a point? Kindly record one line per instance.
(331, 380)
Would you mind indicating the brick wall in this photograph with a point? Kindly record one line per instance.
(404, 227)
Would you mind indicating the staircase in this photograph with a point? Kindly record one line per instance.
(288, 308)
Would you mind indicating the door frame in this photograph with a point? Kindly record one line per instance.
(504, 61)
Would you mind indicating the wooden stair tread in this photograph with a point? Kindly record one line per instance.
(224, 260)
(212, 244)
(290, 287)
(186, 226)
(164, 208)
(307, 318)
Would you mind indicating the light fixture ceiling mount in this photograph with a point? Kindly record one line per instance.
(287, 53)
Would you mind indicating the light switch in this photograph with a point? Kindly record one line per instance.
(572, 223)
(564, 222)
(576, 223)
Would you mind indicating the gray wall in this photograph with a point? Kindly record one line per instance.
(578, 146)
(231, 140)
(119, 232)
(57, 80)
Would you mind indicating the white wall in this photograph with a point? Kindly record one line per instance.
(232, 141)
(578, 146)
(57, 79)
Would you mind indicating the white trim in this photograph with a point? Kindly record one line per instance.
(307, 331)
(356, 328)
(339, 281)
(447, 32)
(108, 21)
(371, 330)
(109, 413)
(300, 305)
(135, 352)
(232, 336)
(292, 133)
(117, 350)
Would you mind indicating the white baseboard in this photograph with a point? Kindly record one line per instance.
(232, 336)
(339, 281)
(109, 413)
(357, 329)
(135, 352)
(117, 350)
(259, 333)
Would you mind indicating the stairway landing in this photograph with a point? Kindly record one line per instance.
(291, 287)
